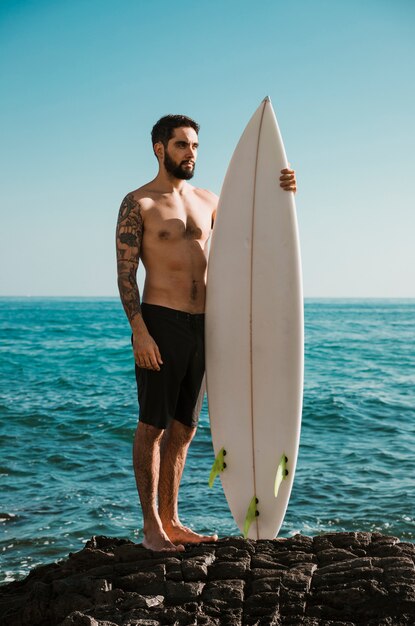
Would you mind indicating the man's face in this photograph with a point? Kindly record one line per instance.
(181, 153)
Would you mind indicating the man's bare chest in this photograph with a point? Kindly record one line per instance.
(168, 222)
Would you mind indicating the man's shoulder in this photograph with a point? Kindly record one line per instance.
(207, 196)
(141, 196)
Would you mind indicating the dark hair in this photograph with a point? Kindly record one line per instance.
(163, 129)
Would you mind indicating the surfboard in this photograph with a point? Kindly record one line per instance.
(254, 332)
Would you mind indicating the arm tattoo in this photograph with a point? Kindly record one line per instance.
(129, 238)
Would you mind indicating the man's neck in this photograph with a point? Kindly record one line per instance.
(170, 184)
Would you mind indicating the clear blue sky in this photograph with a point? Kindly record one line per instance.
(83, 81)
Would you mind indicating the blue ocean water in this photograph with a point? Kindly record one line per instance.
(68, 412)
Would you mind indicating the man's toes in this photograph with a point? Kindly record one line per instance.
(179, 547)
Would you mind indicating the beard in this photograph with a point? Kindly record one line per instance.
(177, 170)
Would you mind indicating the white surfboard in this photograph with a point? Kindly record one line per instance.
(254, 331)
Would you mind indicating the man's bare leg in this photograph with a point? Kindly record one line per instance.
(146, 458)
(174, 446)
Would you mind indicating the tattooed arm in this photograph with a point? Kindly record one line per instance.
(129, 238)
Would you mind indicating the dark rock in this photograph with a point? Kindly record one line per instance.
(229, 591)
(293, 558)
(337, 579)
(182, 592)
(334, 554)
(298, 542)
(80, 619)
(385, 549)
(268, 583)
(265, 562)
(258, 572)
(196, 568)
(228, 570)
(89, 556)
(138, 580)
(100, 542)
(67, 603)
(132, 600)
(263, 598)
(219, 613)
(298, 578)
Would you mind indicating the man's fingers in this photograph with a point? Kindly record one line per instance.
(153, 362)
(147, 362)
(289, 188)
(158, 356)
(148, 356)
(144, 362)
(287, 180)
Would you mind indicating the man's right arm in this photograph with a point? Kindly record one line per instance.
(129, 238)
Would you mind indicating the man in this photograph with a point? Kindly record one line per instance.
(167, 223)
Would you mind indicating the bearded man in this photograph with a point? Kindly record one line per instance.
(167, 224)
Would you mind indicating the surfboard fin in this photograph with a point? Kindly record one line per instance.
(282, 473)
(251, 514)
(218, 466)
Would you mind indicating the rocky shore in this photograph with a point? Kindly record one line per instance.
(339, 579)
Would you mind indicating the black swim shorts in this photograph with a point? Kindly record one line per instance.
(177, 390)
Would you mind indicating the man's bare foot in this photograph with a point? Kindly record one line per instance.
(160, 542)
(179, 534)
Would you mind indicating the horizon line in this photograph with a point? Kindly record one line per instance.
(115, 297)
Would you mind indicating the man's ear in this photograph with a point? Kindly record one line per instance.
(159, 150)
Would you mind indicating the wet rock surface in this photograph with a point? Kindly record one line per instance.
(339, 579)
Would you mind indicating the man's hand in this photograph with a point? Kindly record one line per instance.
(288, 182)
(146, 352)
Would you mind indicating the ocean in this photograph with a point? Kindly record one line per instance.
(68, 412)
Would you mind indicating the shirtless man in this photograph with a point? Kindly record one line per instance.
(167, 223)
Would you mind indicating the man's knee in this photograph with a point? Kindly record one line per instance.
(148, 433)
(180, 432)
